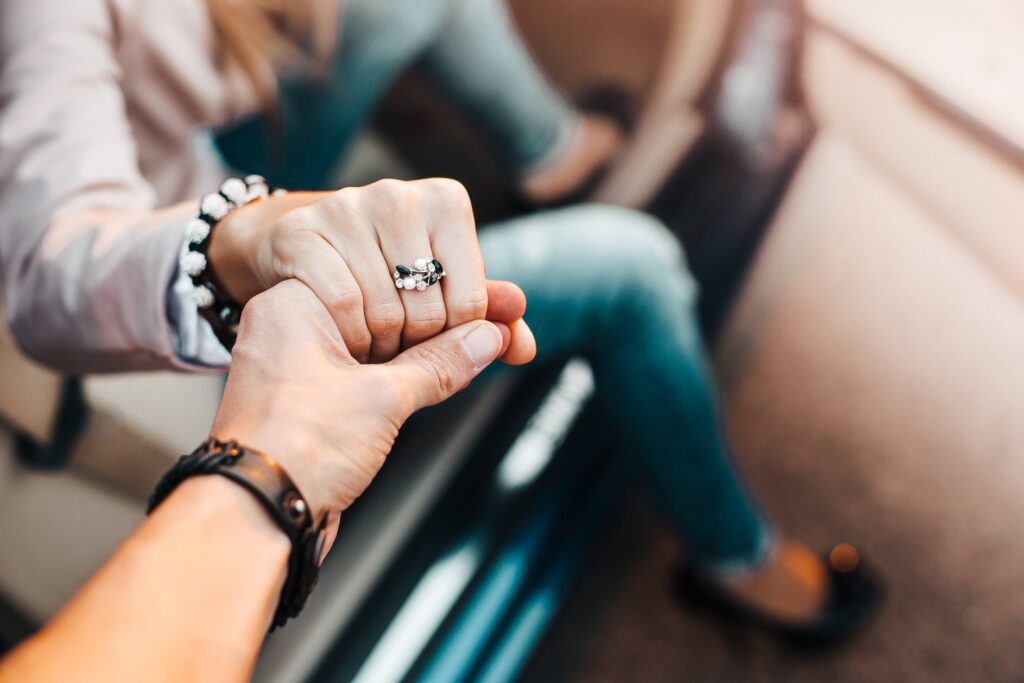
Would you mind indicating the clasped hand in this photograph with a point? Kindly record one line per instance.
(296, 391)
(345, 245)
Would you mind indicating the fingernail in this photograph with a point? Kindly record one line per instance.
(482, 344)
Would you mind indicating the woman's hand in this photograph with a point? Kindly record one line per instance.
(295, 392)
(345, 245)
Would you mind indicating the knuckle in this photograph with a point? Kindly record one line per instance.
(394, 206)
(457, 197)
(359, 343)
(452, 205)
(386, 318)
(452, 189)
(346, 196)
(440, 367)
(389, 187)
(427, 318)
(473, 306)
(346, 303)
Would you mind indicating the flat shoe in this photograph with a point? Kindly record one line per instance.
(853, 598)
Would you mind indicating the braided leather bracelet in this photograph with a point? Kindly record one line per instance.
(210, 296)
(277, 493)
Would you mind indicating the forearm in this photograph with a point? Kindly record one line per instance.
(90, 294)
(189, 596)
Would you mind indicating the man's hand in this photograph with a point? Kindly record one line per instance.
(295, 392)
(190, 594)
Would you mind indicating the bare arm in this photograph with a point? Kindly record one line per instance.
(188, 596)
(191, 593)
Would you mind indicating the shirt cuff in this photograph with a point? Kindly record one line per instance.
(194, 339)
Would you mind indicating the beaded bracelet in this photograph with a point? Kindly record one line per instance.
(215, 305)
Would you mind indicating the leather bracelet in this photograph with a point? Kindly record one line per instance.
(215, 305)
(267, 481)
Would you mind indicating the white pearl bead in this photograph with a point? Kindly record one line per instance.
(408, 283)
(214, 206)
(420, 264)
(196, 230)
(258, 191)
(202, 296)
(193, 262)
(235, 190)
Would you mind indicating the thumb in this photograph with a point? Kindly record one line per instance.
(437, 368)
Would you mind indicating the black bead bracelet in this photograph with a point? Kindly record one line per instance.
(215, 305)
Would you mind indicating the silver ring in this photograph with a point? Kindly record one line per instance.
(423, 273)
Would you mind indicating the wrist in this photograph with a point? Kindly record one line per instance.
(290, 446)
(232, 249)
(215, 501)
(235, 246)
(265, 480)
(236, 555)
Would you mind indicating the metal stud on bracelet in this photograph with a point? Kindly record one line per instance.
(268, 482)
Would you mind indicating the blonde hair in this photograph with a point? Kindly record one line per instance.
(264, 35)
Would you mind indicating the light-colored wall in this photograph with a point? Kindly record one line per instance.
(594, 42)
(883, 321)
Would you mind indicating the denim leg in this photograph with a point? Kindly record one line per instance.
(318, 118)
(468, 47)
(612, 284)
(481, 63)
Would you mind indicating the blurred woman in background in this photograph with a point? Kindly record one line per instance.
(117, 114)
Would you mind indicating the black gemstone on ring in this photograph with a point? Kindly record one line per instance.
(432, 279)
(437, 266)
(403, 271)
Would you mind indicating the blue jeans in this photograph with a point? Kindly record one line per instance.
(612, 285)
(605, 282)
(468, 48)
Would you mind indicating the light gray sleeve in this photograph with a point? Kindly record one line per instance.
(195, 341)
(86, 260)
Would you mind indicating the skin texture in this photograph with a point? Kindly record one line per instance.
(190, 594)
(344, 246)
(295, 391)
